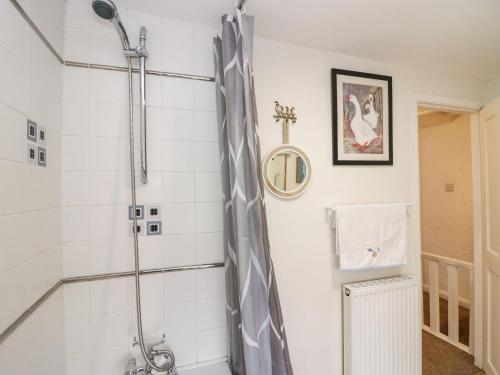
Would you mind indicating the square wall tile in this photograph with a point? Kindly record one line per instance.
(109, 330)
(177, 31)
(75, 118)
(78, 363)
(210, 314)
(15, 245)
(211, 344)
(151, 254)
(177, 58)
(208, 187)
(75, 223)
(178, 93)
(76, 300)
(75, 153)
(178, 187)
(76, 84)
(209, 217)
(109, 360)
(178, 124)
(108, 120)
(108, 187)
(152, 324)
(203, 42)
(106, 222)
(77, 14)
(14, 124)
(179, 250)
(105, 49)
(110, 255)
(75, 188)
(150, 193)
(178, 156)
(210, 283)
(76, 259)
(207, 156)
(152, 290)
(179, 286)
(108, 87)
(184, 347)
(108, 296)
(15, 187)
(178, 218)
(135, 20)
(108, 154)
(204, 96)
(180, 318)
(77, 334)
(206, 126)
(76, 45)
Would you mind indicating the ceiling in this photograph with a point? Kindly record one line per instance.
(459, 36)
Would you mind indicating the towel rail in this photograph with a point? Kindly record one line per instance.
(331, 209)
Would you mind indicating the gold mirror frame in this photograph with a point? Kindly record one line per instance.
(269, 184)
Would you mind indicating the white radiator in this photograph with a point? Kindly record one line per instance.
(382, 327)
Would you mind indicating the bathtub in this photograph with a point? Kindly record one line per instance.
(211, 369)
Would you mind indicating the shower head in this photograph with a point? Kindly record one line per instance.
(107, 10)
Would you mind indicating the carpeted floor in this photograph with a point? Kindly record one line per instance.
(441, 358)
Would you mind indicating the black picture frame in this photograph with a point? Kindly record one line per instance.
(335, 119)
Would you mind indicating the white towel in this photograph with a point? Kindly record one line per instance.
(371, 236)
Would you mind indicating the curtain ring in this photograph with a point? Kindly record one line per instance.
(240, 5)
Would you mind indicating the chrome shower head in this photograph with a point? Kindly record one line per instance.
(107, 10)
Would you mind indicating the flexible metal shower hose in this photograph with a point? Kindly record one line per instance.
(169, 366)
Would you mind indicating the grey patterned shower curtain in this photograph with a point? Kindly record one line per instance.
(257, 342)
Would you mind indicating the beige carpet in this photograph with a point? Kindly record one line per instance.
(441, 358)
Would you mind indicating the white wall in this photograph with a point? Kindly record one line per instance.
(307, 273)
(492, 90)
(188, 307)
(30, 214)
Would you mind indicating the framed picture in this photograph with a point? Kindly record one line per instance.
(361, 118)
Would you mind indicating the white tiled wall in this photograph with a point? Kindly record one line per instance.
(30, 211)
(184, 179)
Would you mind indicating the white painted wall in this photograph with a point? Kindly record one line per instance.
(30, 213)
(492, 90)
(307, 273)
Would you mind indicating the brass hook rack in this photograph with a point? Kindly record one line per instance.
(285, 114)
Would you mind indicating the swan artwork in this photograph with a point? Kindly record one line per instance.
(362, 130)
(371, 116)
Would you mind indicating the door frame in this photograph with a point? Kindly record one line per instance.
(471, 107)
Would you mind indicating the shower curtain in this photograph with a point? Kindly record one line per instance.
(257, 342)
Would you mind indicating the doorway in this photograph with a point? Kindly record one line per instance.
(448, 164)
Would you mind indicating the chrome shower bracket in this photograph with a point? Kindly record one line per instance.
(142, 54)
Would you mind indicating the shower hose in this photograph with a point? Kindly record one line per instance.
(169, 365)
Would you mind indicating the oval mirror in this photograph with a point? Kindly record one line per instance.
(286, 171)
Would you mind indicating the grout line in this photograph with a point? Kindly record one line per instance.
(35, 210)
(29, 164)
(19, 112)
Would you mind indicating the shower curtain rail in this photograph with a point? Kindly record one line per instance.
(103, 276)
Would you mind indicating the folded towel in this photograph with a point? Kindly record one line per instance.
(371, 236)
